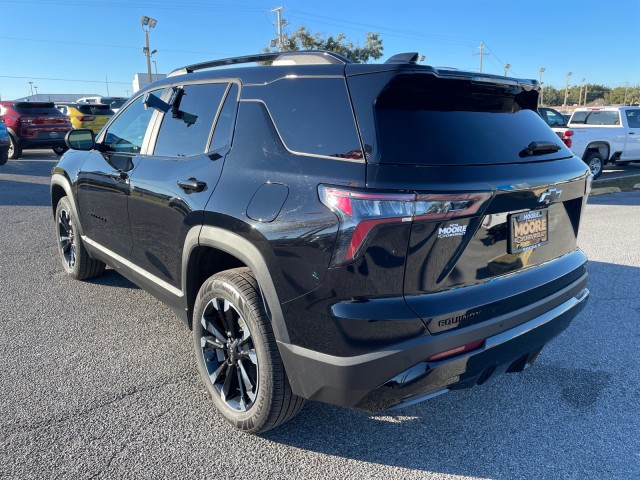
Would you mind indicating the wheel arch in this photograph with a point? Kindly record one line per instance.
(216, 249)
(602, 148)
(61, 187)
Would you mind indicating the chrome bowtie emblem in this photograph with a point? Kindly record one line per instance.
(550, 196)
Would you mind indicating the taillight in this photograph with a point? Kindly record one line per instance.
(566, 138)
(86, 118)
(361, 211)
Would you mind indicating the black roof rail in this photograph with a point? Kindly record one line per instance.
(303, 57)
(408, 57)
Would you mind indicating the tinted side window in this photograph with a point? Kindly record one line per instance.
(633, 118)
(126, 133)
(186, 127)
(224, 126)
(313, 115)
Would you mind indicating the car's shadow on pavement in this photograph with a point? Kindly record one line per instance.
(32, 165)
(111, 278)
(534, 424)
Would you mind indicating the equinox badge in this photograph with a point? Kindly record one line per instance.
(550, 196)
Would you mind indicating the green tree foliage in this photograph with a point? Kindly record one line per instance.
(552, 96)
(617, 95)
(303, 39)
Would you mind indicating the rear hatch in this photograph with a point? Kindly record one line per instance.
(497, 192)
(94, 116)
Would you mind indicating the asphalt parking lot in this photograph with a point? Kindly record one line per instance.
(98, 380)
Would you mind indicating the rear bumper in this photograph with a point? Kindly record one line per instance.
(43, 140)
(400, 375)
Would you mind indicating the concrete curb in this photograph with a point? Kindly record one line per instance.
(603, 190)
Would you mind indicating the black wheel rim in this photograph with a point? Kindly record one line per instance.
(229, 354)
(66, 238)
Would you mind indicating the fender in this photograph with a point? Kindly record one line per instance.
(61, 180)
(245, 251)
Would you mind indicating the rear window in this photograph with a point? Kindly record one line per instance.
(113, 102)
(94, 109)
(424, 120)
(37, 108)
(595, 118)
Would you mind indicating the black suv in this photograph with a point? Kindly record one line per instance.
(364, 235)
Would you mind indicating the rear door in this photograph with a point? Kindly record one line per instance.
(171, 187)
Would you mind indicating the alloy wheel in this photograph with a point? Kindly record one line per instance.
(229, 354)
(67, 238)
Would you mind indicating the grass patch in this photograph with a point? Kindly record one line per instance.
(625, 183)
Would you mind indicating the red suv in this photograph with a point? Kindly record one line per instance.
(34, 125)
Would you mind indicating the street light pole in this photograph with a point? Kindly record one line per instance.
(540, 72)
(507, 66)
(149, 23)
(155, 67)
(31, 87)
(566, 90)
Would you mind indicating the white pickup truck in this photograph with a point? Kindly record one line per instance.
(604, 135)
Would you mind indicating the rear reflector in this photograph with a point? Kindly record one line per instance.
(456, 351)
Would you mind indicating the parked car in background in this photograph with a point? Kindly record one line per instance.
(114, 103)
(93, 116)
(5, 142)
(34, 125)
(557, 122)
(367, 235)
(603, 135)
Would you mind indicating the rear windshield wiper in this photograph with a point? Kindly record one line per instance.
(539, 148)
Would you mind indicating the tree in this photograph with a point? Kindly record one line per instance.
(303, 39)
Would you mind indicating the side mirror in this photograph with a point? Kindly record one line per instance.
(81, 139)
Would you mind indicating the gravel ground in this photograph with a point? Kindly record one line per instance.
(98, 380)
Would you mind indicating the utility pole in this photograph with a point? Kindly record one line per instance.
(31, 87)
(580, 95)
(106, 80)
(482, 53)
(586, 88)
(626, 88)
(566, 90)
(507, 66)
(540, 72)
(278, 11)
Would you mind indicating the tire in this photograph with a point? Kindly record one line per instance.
(4, 155)
(75, 258)
(14, 149)
(237, 355)
(59, 150)
(595, 162)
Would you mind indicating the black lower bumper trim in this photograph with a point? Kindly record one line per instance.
(399, 374)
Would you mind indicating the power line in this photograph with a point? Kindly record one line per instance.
(63, 79)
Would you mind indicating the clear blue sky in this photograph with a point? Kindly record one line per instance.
(67, 46)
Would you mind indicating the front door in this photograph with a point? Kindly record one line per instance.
(103, 180)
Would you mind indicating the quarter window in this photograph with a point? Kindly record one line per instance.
(186, 128)
(224, 126)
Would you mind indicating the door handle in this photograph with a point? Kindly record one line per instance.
(192, 185)
(632, 133)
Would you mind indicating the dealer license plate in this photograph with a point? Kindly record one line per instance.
(528, 230)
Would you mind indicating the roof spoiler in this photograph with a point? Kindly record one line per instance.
(407, 57)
